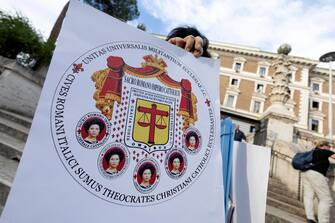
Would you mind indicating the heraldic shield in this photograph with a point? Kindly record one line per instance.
(151, 123)
(147, 107)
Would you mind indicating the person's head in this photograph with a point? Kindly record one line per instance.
(114, 158)
(175, 161)
(237, 127)
(323, 145)
(184, 31)
(94, 127)
(146, 172)
(192, 138)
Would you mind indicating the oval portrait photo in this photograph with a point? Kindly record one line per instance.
(175, 163)
(92, 130)
(113, 160)
(146, 175)
(192, 140)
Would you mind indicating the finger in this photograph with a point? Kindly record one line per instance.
(189, 45)
(198, 45)
(198, 53)
(180, 42)
(172, 41)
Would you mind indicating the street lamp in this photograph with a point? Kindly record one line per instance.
(329, 58)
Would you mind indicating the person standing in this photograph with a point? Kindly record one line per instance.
(316, 182)
(239, 135)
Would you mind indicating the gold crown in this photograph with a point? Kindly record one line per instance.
(154, 61)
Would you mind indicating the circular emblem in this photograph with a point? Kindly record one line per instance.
(192, 140)
(146, 175)
(92, 130)
(113, 160)
(146, 111)
(175, 163)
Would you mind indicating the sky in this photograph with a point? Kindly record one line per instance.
(307, 25)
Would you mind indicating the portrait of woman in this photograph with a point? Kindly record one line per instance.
(93, 128)
(114, 160)
(147, 175)
(192, 141)
(176, 164)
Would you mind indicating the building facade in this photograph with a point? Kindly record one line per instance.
(246, 82)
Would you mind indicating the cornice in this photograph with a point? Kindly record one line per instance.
(322, 71)
(240, 113)
(254, 52)
(263, 54)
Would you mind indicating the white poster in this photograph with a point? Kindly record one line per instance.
(126, 130)
(251, 165)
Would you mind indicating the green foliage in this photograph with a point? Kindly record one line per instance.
(17, 34)
(125, 10)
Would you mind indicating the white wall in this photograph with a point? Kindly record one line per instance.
(251, 166)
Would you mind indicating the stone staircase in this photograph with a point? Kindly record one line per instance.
(282, 205)
(14, 130)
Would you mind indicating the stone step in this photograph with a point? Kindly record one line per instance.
(277, 184)
(286, 192)
(286, 199)
(269, 218)
(10, 147)
(297, 211)
(276, 215)
(20, 119)
(13, 129)
(274, 180)
(7, 172)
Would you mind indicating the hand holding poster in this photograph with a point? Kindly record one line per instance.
(127, 128)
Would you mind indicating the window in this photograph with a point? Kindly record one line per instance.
(315, 125)
(257, 107)
(234, 82)
(289, 76)
(263, 68)
(230, 101)
(259, 88)
(237, 67)
(238, 64)
(252, 129)
(262, 71)
(316, 87)
(315, 105)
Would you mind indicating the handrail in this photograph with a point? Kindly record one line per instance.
(282, 155)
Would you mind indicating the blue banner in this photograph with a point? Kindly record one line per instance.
(227, 139)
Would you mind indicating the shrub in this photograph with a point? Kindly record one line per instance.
(18, 35)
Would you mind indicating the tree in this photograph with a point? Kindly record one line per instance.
(125, 10)
(18, 35)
